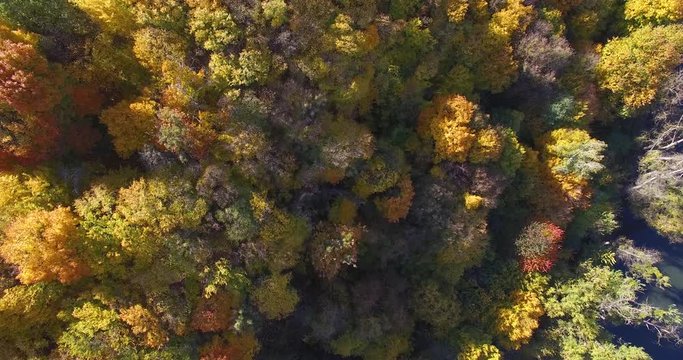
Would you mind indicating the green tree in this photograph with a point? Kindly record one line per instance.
(154, 207)
(213, 28)
(28, 318)
(23, 192)
(275, 11)
(96, 332)
(157, 48)
(275, 298)
(578, 306)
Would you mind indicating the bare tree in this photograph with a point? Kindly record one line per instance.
(543, 54)
(641, 262)
(668, 133)
(657, 192)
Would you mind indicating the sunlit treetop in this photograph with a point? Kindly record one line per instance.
(634, 67)
(644, 12)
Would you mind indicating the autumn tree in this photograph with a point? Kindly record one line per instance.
(538, 245)
(155, 48)
(60, 24)
(488, 146)
(378, 175)
(27, 82)
(437, 307)
(282, 233)
(345, 141)
(114, 16)
(44, 244)
(655, 12)
(25, 192)
(513, 152)
(113, 65)
(634, 67)
(346, 40)
(98, 222)
(28, 318)
(491, 66)
(96, 332)
(543, 54)
(456, 10)
(573, 158)
(394, 208)
(343, 211)
(275, 11)
(213, 27)
(27, 139)
(334, 246)
(215, 313)
(152, 208)
(231, 347)
(480, 352)
(163, 14)
(448, 123)
(517, 323)
(144, 324)
(130, 124)
(251, 66)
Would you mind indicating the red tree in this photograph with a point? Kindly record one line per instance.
(27, 139)
(216, 313)
(538, 245)
(26, 82)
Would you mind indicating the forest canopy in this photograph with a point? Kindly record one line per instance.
(328, 179)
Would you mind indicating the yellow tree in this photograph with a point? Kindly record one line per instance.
(447, 122)
(213, 27)
(145, 324)
(154, 47)
(456, 10)
(644, 12)
(480, 352)
(24, 192)
(635, 66)
(573, 158)
(130, 124)
(43, 245)
(114, 16)
(488, 147)
(487, 53)
(517, 323)
(159, 206)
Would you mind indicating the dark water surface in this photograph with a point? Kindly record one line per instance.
(672, 266)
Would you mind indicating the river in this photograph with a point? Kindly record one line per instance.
(672, 266)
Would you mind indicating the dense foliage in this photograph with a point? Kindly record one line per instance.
(299, 179)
